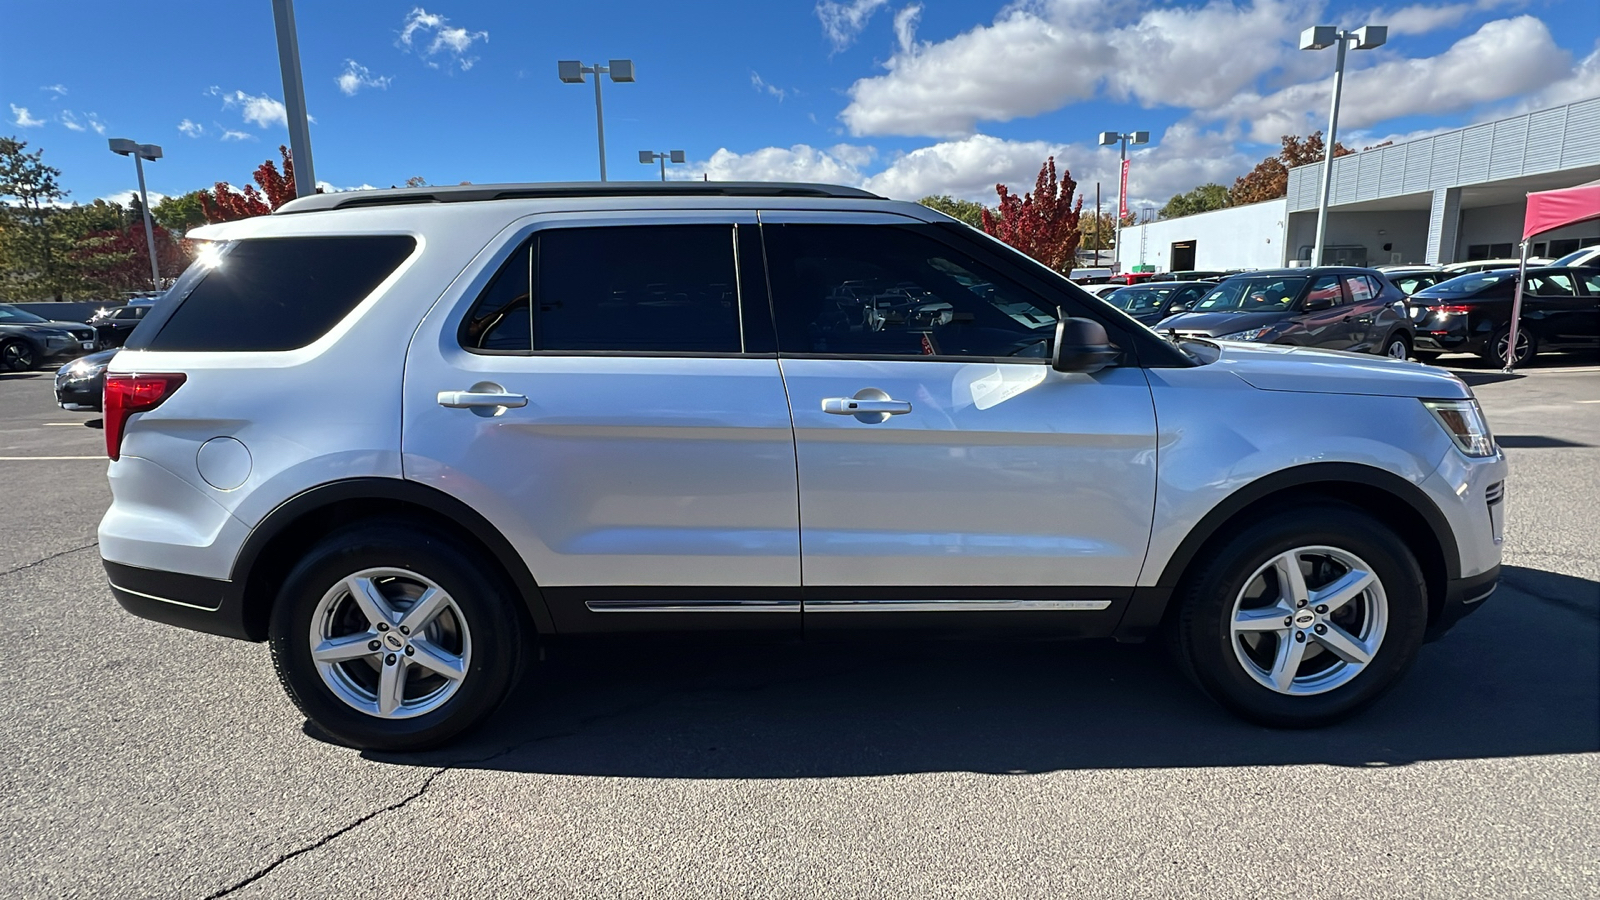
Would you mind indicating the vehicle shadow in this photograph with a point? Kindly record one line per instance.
(1516, 679)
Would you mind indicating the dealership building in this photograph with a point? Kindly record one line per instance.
(1450, 197)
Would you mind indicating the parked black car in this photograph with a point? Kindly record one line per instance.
(28, 341)
(1150, 303)
(1331, 307)
(81, 384)
(112, 326)
(1409, 281)
(1472, 313)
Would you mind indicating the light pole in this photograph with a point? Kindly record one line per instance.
(1108, 138)
(1318, 37)
(675, 156)
(140, 153)
(572, 72)
(294, 98)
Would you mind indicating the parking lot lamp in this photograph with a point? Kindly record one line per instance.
(140, 153)
(1319, 37)
(676, 157)
(1108, 138)
(572, 72)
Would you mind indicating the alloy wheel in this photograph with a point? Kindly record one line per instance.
(1522, 346)
(16, 356)
(390, 643)
(1398, 349)
(1309, 620)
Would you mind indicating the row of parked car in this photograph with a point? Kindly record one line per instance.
(1403, 312)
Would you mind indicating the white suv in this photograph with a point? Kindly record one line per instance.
(404, 434)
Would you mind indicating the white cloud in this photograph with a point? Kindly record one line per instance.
(70, 121)
(1425, 17)
(1040, 56)
(905, 26)
(801, 162)
(328, 188)
(1581, 83)
(94, 122)
(191, 129)
(263, 110)
(762, 86)
(450, 41)
(229, 135)
(125, 198)
(22, 119)
(356, 76)
(60, 90)
(1504, 58)
(843, 22)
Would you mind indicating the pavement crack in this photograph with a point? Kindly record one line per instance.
(325, 839)
(40, 562)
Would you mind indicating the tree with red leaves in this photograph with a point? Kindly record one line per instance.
(1269, 180)
(226, 203)
(1042, 224)
(117, 259)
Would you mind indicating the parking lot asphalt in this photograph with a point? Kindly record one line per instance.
(142, 760)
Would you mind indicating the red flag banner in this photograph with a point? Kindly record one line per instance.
(1122, 193)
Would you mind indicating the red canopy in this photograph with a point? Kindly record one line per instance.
(1554, 209)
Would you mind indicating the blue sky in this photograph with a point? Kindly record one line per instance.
(904, 97)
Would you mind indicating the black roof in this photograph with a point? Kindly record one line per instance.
(469, 193)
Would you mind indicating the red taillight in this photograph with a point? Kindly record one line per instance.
(1450, 309)
(127, 394)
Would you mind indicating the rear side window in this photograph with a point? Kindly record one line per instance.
(617, 289)
(278, 293)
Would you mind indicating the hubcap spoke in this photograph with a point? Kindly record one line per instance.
(364, 591)
(1291, 582)
(1287, 662)
(392, 687)
(1344, 645)
(1343, 589)
(337, 650)
(438, 661)
(1269, 619)
(432, 602)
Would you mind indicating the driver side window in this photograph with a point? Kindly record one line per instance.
(877, 290)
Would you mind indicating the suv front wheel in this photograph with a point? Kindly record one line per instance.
(394, 639)
(1303, 618)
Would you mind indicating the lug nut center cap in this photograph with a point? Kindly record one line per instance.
(1304, 618)
(393, 641)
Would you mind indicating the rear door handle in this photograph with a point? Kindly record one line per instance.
(480, 399)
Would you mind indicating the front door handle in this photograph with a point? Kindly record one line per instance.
(480, 398)
(869, 405)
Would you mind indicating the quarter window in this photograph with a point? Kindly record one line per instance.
(1360, 287)
(868, 290)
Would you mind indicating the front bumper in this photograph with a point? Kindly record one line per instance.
(1463, 596)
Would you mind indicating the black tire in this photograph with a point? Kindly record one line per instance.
(1396, 346)
(1426, 357)
(1493, 351)
(1202, 640)
(17, 356)
(486, 604)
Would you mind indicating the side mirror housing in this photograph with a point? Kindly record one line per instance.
(1318, 304)
(1082, 345)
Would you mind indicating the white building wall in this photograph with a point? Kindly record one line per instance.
(1404, 232)
(1240, 237)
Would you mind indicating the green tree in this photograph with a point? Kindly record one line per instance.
(181, 213)
(964, 210)
(33, 250)
(1204, 198)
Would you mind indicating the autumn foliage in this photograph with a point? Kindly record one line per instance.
(1042, 224)
(1269, 180)
(226, 203)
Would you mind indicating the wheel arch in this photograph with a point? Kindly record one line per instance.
(1397, 503)
(296, 524)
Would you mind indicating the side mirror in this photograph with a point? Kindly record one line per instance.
(1318, 304)
(1082, 345)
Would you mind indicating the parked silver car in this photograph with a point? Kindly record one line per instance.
(402, 435)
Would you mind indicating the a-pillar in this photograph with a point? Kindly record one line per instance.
(1444, 223)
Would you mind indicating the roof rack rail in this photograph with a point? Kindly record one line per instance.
(471, 193)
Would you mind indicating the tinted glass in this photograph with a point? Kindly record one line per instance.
(1555, 284)
(648, 288)
(890, 290)
(1360, 287)
(279, 293)
(1591, 280)
(1472, 283)
(501, 320)
(1266, 293)
(10, 315)
(1137, 300)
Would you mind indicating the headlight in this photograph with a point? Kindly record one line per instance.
(1253, 334)
(1463, 420)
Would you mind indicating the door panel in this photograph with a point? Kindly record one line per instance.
(1329, 329)
(635, 474)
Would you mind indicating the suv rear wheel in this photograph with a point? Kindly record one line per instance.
(1303, 618)
(394, 639)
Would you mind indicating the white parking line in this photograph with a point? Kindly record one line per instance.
(17, 458)
(63, 424)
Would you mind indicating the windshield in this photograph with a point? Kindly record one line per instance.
(1138, 299)
(1266, 293)
(10, 315)
(1571, 259)
(1471, 284)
